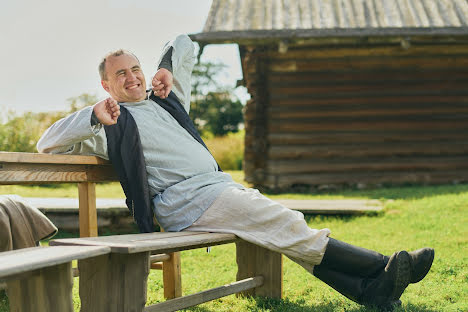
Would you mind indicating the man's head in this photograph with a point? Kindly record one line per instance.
(122, 77)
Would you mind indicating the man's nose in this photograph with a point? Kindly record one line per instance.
(131, 76)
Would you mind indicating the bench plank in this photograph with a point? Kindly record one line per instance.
(159, 242)
(29, 259)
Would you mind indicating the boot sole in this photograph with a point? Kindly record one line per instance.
(403, 275)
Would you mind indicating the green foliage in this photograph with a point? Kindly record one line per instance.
(228, 150)
(20, 133)
(214, 109)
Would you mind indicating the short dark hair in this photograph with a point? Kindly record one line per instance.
(102, 65)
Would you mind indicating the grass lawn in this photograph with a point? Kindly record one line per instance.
(435, 216)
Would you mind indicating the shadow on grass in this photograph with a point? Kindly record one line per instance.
(277, 305)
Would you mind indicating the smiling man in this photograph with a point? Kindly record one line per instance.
(165, 169)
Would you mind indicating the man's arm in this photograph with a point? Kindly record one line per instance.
(81, 133)
(182, 62)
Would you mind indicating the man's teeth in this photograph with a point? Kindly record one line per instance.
(133, 87)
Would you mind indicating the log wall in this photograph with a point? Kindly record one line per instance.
(357, 114)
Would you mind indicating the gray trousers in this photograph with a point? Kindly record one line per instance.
(261, 221)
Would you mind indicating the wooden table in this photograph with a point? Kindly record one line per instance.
(33, 168)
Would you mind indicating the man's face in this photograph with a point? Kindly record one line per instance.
(125, 81)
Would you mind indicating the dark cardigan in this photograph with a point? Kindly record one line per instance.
(126, 155)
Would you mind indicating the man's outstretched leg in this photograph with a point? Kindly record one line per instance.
(370, 278)
(349, 269)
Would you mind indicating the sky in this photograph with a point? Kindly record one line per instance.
(50, 49)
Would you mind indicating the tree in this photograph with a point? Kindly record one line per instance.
(214, 109)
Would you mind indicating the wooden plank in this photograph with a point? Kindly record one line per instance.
(29, 259)
(352, 137)
(256, 260)
(114, 282)
(344, 52)
(337, 206)
(341, 165)
(31, 173)
(172, 278)
(400, 75)
(15, 157)
(385, 149)
(207, 295)
(164, 242)
(276, 126)
(87, 209)
(45, 290)
(370, 99)
(387, 87)
(159, 258)
(300, 113)
(351, 64)
(365, 178)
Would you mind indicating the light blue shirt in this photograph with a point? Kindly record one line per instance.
(182, 175)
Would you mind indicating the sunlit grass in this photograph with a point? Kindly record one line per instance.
(418, 216)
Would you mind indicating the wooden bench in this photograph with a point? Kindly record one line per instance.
(40, 279)
(118, 281)
(33, 168)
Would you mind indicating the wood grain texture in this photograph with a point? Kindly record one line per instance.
(14, 157)
(172, 277)
(159, 242)
(114, 282)
(254, 260)
(44, 290)
(28, 259)
(207, 295)
(87, 209)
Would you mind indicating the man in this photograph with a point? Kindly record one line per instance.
(165, 168)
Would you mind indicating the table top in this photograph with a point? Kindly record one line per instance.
(159, 242)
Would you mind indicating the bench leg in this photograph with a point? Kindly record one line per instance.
(44, 290)
(87, 209)
(114, 282)
(172, 277)
(253, 260)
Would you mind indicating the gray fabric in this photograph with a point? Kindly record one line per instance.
(21, 224)
(259, 220)
(182, 174)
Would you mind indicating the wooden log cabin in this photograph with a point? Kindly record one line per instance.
(350, 92)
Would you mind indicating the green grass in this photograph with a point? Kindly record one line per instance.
(435, 216)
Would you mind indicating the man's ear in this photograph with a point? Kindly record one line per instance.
(105, 85)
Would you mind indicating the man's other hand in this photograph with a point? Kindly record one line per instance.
(107, 111)
(162, 83)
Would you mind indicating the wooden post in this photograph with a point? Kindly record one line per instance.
(87, 210)
(172, 278)
(253, 260)
(44, 290)
(114, 282)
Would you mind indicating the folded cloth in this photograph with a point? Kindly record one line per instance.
(22, 225)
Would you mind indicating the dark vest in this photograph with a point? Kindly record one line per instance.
(126, 155)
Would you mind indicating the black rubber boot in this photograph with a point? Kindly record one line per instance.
(365, 276)
(342, 257)
(421, 262)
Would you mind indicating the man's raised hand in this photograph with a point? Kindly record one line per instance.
(107, 111)
(162, 83)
